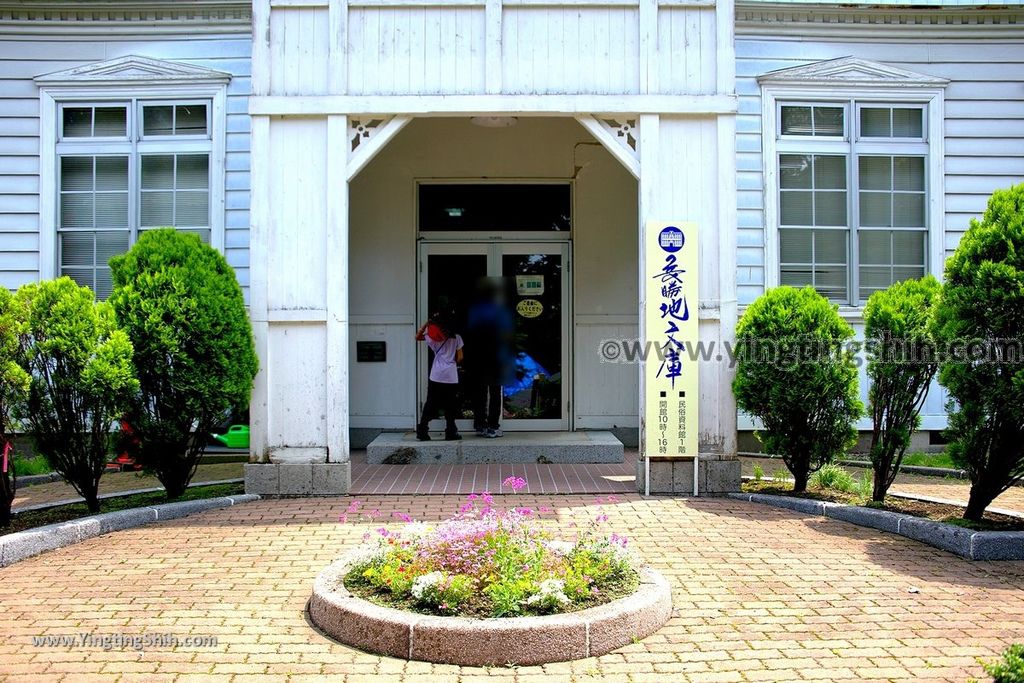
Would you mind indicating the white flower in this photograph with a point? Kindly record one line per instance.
(422, 583)
(560, 547)
(625, 554)
(549, 591)
(367, 553)
(416, 530)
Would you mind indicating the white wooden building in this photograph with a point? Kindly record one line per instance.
(331, 148)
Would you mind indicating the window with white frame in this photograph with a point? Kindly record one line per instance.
(852, 202)
(123, 167)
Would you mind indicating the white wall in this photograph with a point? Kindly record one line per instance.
(383, 269)
(536, 49)
(984, 123)
(984, 126)
(22, 57)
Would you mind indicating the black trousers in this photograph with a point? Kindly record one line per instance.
(441, 397)
(486, 405)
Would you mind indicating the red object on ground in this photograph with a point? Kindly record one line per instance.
(435, 332)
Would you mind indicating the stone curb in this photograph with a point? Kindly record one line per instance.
(487, 642)
(118, 494)
(967, 543)
(24, 544)
(35, 479)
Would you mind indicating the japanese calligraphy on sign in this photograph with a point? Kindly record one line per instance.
(670, 325)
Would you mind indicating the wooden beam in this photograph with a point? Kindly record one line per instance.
(337, 66)
(492, 105)
(492, 50)
(260, 47)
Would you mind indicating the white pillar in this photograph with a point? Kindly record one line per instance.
(337, 291)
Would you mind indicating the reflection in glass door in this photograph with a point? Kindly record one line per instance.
(533, 277)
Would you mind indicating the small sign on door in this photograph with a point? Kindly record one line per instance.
(529, 285)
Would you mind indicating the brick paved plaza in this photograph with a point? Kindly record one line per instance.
(760, 594)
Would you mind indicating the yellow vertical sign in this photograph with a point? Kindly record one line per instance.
(670, 326)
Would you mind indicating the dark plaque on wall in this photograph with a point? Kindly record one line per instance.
(371, 351)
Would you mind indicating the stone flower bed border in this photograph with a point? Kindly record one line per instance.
(487, 642)
(22, 545)
(967, 543)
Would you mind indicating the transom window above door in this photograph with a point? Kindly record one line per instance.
(124, 167)
(852, 195)
(495, 207)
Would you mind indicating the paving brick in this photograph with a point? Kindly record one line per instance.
(759, 594)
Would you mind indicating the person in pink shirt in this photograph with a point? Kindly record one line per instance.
(443, 384)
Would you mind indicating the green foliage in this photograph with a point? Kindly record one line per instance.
(929, 460)
(832, 476)
(797, 377)
(34, 465)
(181, 306)
(980, 312)
(780, 475)
(14, 383)
(508, 595)
(865, 485)
(447, 594)
(81, 369)
(901, 366)
(1011, 668)
(758, 472)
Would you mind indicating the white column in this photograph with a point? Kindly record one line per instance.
(648, 190)
(258, 217)
(337, 291)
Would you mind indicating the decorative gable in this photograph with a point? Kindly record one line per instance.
(851, 71)
(134, 70)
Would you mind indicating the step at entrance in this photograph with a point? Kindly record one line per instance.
(515, 447)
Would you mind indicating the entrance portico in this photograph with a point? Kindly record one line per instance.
(327, 270)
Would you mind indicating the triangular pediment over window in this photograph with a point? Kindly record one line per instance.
(847, 71)
(136, 70)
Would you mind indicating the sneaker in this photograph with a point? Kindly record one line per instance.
(422, 435)
(494, 433)
(449, 436)
(481, 431)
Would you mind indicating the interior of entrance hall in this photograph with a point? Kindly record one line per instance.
(404, 260)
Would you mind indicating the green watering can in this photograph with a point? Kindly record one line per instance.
(237, 437)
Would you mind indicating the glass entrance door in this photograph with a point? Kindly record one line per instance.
(533, 278)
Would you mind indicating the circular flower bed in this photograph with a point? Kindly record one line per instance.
(489, 586)
(491, 562)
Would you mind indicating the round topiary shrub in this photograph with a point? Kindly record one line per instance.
(14, 382)
(82, 379)
(797, 375)
(901, 366)
(181, 306)
(980, 324)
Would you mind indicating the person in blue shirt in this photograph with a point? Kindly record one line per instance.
(489, 357)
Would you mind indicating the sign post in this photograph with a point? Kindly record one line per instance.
(671, 395)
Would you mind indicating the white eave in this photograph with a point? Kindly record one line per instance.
(850, 71)
(133, 69)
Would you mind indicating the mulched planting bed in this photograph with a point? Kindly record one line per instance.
(22, 521)
(938, 512)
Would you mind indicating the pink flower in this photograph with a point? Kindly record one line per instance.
(515, 483)
(402, 516)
